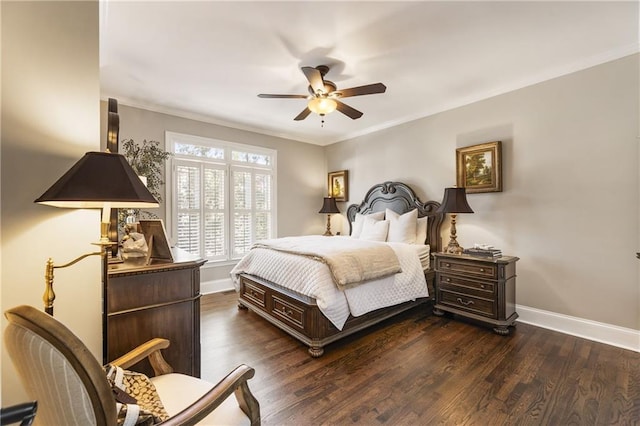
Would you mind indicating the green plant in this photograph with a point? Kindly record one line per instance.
(148, 160)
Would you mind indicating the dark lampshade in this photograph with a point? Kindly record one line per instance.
(329, 206)
(98, 180)
(454, 201)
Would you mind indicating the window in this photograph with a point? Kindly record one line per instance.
(222, 196)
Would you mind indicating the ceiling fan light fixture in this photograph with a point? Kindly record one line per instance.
(322, 106)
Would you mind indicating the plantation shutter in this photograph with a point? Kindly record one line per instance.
(223, 196)
(188, 206)
(214, 212)
(251, 208)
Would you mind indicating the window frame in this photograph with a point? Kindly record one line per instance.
(228, 164)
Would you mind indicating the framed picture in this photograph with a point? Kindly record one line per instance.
(157, 240)
(479, 167)
(339, 185)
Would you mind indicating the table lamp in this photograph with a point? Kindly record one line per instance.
(329, 207)
(454, 202)
(98, 180)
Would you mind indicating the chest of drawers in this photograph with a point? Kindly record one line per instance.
(479, 288)
(158, 300)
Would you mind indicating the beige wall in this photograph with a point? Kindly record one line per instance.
(50, 118)
(301, 177)
(569, 208)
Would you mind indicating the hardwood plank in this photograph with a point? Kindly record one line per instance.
(421, 369)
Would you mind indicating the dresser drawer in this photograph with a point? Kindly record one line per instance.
(288, 312)
(128, 291)
(461, 266)
(468, 303)
(470, 287)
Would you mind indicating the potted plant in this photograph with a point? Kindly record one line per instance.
(148, 161)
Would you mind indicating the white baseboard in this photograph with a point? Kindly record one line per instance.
(621, 337)
(216, 286)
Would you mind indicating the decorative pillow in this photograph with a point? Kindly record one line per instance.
(374, 230)
(402, 228)
(137, 400)
(421, 230)
(357, 223)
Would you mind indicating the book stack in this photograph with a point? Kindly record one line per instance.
(483, 251)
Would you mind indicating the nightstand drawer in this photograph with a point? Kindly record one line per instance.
(480, 269)
(468, 303)
(470, 287)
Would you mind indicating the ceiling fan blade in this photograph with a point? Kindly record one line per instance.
(266, 95)
(347, 110)
(304, 114)
(369, 89)
(315, 78)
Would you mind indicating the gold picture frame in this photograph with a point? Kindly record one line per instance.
(479, 167)
(338, 186)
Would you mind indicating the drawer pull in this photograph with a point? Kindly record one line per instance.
(481, 285)
(448, 265)
(448, 280)
(462, 302)
(287, 312)
(481, 269)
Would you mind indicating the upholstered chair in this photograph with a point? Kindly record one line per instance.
(71, 387)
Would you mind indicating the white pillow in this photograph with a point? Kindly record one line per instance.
(357, 223)
(402, 228)
(421, 230)
(374, 230)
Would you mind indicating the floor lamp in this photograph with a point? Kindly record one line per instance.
(454, 202)
(99, 180)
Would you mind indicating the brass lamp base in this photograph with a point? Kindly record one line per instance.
(328, 233)
(453, 247)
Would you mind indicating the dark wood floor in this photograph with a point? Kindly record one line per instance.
(419, 369)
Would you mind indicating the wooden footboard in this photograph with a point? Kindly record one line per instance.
(299, 315)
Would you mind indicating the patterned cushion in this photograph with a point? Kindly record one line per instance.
(138, 401)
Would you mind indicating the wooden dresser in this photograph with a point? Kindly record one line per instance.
(483, 289)
(157, 300)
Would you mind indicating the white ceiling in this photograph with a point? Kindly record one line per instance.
(209, 60)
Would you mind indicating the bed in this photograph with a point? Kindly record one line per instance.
(299, 314)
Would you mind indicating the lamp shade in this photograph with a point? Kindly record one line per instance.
(454, 201)
(96, 180)
(329, 206)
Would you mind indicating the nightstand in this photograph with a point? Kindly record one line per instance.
(483, 289)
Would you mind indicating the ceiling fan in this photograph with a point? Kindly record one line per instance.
(324, 95)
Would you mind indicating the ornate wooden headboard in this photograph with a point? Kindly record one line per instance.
(400, 198)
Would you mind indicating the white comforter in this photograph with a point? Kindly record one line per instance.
(313, 278)
(350, 260)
